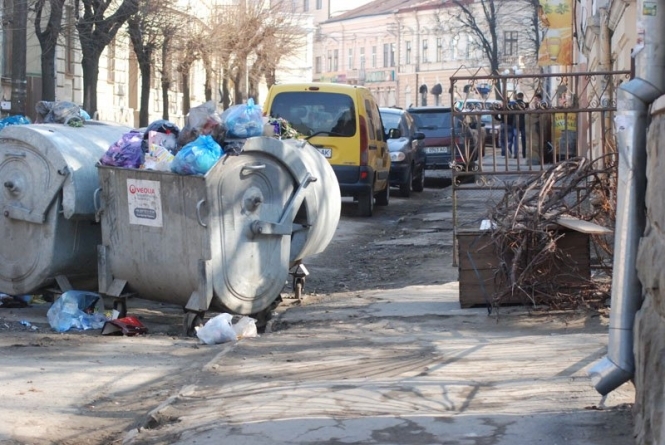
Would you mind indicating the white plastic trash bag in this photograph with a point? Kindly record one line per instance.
(218, 329)
(245, 327)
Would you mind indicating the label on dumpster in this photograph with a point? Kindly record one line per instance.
(145, 202)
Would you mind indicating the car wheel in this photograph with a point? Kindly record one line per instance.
(419, 181)
(405, 187)
(383, 197)
(366, 204)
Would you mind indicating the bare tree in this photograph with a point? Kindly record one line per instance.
(255, 36)
(145, 29)
(95, 33)
(486, 20)
(48, 39)
(484, 25)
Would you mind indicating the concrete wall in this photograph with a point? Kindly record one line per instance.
(650, 320)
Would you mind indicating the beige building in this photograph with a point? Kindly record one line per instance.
(405, 51)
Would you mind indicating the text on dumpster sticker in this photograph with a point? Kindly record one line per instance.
(145, 202)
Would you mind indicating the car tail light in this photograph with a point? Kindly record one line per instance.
(364, 142)
(459, 149)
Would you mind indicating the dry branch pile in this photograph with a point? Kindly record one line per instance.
(527, 237)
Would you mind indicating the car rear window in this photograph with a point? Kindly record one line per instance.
(435, 123)
(316, 112)
(390, 120)
(432, 120)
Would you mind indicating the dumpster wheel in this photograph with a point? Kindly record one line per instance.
(299, 285)
(191, 321)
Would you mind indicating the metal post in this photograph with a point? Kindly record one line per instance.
(19, 48)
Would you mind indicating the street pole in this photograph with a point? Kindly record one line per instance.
(19, 48)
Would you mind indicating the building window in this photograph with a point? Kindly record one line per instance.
(317, 64)
(454, 47)
(70, 41)
(388, 55)
(110, 62)
(350, 58)
(362, 58)
(374, 57)
(425, 55)
(335, 60)
(330, 61)
(407, 53)
(305, 5)
(439, 49)
(510, 43)
(319, 4)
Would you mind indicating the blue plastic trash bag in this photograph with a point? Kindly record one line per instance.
(125, 152)
(197, 157)
(243, 121)
(76, 309)
(14, 120)
(84, 114)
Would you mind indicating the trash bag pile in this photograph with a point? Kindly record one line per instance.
(60, 112)
(77, 310)
(14, 120)
(192, 150)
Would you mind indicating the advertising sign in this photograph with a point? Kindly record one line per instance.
(145, 202)
(556, 24)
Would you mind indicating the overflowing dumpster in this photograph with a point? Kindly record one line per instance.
(225, 240)
(48, 230)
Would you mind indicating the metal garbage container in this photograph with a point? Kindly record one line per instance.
(48, 230)
(225, 240)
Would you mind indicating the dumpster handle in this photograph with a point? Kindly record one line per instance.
(198, 212)
(253, 168)
(96, 202)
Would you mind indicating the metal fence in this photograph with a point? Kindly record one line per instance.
(503, 139)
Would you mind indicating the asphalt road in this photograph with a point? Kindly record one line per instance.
(388, 361)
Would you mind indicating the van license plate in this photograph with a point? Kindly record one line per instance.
(326, 152)
(436, 150)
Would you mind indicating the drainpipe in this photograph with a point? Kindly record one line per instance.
(634, 98)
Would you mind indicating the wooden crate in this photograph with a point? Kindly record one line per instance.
(479, 263)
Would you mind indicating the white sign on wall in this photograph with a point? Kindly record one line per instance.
(145, 202)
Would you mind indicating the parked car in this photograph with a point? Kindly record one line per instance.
(343, 123)
(407, 153)
(440, 148)
(492, 129)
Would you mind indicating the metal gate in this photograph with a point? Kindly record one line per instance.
(560, 116)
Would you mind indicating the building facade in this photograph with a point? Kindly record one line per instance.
(406, 51)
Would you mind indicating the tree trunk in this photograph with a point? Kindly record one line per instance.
(48, 74)
(186, 103)
(90, 65)
(207, 87)
(271, 77)
(48, 39)
(144, 109)
(166, 77)
(238, 87)
(226, 100)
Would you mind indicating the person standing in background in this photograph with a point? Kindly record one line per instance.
(520, 124)
(507, 135)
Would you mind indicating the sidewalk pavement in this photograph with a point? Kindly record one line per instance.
(404, 366)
